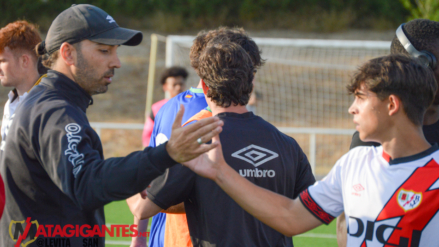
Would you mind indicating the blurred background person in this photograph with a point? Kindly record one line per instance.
(173, 81)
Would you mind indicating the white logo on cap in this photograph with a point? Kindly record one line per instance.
(110, 19)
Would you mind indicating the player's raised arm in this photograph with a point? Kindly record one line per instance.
(287, 216)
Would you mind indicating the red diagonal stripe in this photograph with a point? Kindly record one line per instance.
(26, 231)
(417, 218)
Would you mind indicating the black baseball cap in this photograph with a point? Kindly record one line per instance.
(85, 21)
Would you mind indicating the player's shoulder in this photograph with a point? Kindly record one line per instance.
(169, 108)
(183, 98)
(189, 94)
(361, 154)
(43, 101)
(265, 125)
(159, 104)
(269, 129)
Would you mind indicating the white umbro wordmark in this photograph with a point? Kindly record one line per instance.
(256, 156)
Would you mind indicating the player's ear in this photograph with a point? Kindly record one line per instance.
(394, 104)
(24, 60)
(205, 87)
(68, 53)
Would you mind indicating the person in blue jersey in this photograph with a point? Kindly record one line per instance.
(193, 100)
(174, 222)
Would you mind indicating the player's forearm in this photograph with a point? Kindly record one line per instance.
(275, 210)
(140, 239)
(142, 208)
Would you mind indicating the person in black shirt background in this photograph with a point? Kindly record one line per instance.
(424, 37)
(252, 146)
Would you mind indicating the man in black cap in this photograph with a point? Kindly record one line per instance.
(56, 179)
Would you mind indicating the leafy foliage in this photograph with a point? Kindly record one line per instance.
(424, 9)
(174, 15)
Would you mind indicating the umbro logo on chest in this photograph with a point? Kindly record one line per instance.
(256, 156)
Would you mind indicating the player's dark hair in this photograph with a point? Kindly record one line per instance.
(227, 70)
(174, 71)
(400, 75)
(422, 33)
(234, 35)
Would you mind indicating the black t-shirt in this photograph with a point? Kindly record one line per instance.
(257, 151)
(431, 133)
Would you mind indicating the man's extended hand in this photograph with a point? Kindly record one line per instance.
(183, 145)
(209, 164)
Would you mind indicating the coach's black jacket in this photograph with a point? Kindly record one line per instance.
(54, 170)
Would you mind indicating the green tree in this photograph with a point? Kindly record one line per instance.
(425, 9)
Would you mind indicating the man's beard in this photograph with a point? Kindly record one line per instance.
(86, 76)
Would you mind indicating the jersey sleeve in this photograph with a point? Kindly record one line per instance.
(173, 187)
(324, 199)
(304, 175)
(70, 152)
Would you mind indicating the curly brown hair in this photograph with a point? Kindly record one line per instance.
(234, 35)
(19, 35)
(227, 70)
(400, 75)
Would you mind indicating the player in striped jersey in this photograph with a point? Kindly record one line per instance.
(424, 36)
(171, 229)
(390, 194)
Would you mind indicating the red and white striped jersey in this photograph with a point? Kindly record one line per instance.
(387, 202)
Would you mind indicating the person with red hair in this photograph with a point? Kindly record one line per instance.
(18, 66)
(18, 69)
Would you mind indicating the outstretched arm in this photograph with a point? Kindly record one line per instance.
(142, 207)
(287, 216)
(142, 226)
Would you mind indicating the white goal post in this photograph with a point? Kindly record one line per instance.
(301, 85)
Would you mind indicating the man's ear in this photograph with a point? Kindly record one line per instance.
(25, 60)
(394, 104)
(205, 87)
(68, 53)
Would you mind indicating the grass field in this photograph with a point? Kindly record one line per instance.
(118, 213)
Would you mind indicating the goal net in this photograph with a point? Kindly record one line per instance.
(302, 84)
